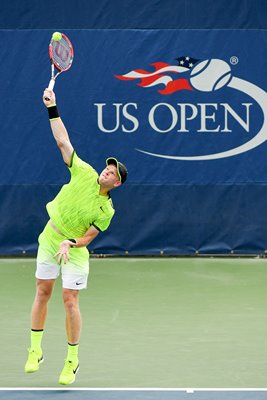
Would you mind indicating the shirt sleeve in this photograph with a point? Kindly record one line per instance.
(104, 216)
(78, 165)
(102, 224)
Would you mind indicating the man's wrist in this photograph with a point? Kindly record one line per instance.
(74, 242)
(53, 112)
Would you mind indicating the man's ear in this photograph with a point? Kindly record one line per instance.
(117, 184)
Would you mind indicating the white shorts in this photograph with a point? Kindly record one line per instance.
(74, 273)
(70, 278)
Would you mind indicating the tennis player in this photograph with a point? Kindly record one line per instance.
(81, 210)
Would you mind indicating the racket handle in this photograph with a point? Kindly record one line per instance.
(50, 87)
(51, 84)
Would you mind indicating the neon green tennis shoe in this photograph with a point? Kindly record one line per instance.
(68, 374)
(34, 360)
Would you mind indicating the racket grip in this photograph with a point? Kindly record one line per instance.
(50, 87)
(51, 84)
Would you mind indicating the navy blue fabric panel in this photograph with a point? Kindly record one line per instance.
(150, 220)
(137, 14)
(185, 219)
(174, 201)
(108, 116)
(23, 216)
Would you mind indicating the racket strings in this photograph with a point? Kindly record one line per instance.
(61, 54)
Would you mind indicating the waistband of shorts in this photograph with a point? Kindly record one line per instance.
(53, 226)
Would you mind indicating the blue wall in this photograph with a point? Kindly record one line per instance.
(196, 157)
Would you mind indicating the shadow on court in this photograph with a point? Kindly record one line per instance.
(147, 323)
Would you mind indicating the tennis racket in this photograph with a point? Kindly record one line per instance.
(61, 56)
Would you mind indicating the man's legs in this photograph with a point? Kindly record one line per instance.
(44, 289)
(73, 315)
(73, 330)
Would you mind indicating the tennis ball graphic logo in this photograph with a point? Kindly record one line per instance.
(210, 75)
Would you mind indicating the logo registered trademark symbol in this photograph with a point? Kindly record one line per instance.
(234, 60)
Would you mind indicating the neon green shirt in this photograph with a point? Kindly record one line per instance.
(79, 205)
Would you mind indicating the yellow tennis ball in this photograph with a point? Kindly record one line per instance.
(56, 36)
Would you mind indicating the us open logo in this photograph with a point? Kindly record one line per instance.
(195, 76)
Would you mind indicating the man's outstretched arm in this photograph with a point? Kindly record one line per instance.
(58, 129)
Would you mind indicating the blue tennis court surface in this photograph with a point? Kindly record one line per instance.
(132, 395)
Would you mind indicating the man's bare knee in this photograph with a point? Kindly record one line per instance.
(44, 289)
(70, 299)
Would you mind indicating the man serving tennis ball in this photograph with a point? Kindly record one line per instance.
(81, 210)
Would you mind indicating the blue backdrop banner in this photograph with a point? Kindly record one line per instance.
(185, 110)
